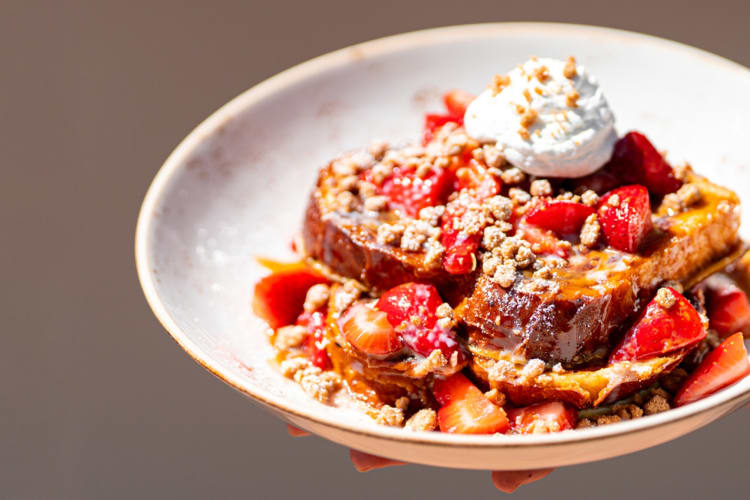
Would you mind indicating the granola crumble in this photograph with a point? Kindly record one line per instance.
(424, 420)
(569, 70)
(493, 237)
(590, 198)
(513, 176)
(519, 196)
(590, 231)
(665, 298)
(389, 415)
(496, 397)
(540, 187)
(390, 234)
(290, 336)
(434, 361)
(317, 297)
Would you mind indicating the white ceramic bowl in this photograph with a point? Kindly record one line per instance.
(237, 185)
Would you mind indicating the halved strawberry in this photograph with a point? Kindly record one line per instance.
(723, 366)
(640, 163)
(564, 217)
(661, 331)
(369, 331)
(456, 101)
(410, 193)
(539, 418)
(465, 409)
(414, 306)
(728, 307)
(315, 322)
(278, 297)
(625, 217)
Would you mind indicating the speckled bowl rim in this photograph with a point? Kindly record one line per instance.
(733, 396)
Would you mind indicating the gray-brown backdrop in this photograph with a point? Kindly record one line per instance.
(96, 401)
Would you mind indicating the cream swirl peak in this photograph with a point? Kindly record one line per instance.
(548, 116)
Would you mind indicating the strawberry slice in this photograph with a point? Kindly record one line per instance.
(410, 193)
(315, 322)
(723, 366)
(369, 331)
(413, 307)
(564, 217)
(278, 297)
(553, 416)
(625, 217)
(661, 331)
(465, 410)
(456, 101)
(728, 307)
(640, 163)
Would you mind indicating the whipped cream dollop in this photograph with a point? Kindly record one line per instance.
(549, 117)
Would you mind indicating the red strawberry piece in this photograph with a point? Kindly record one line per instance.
(640, 163)
(465, 410)
(625, 217)
(564, 217)
(456, 101)
(728, 307)
(543, 240)
(553, 416)
(723, 366)
(315, 322)
(410, 193)
(661, 331)
(369, 331)
(279, 297)
(412, 307)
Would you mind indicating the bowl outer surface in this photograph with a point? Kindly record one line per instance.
(237, 186)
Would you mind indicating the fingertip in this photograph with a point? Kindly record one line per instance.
(364, 462)
(295, 431)
(510, 481)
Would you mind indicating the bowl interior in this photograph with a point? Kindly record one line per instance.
(237, 187)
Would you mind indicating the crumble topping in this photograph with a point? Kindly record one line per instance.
(590, 198)
(540, 187)
(424, 420)
(665, 298)
(315, 382)
(499, 82)
(377, 149)
(432, 215)
(590, 231)
(532, 369)
(317, 297)
(685, 197)
(376, 203)
(290, 336)
(519, 196)
(614, 200)
(493, 157)
(433, 258)
(434, 361)
(569, 70)
(346, 295)
(493, 237)
(390, 234)
(389, 415)
(571, 99)
(513, 176)
(496, 397)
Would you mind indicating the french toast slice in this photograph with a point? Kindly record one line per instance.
(598, 291)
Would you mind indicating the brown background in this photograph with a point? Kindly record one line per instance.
(96, 401)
